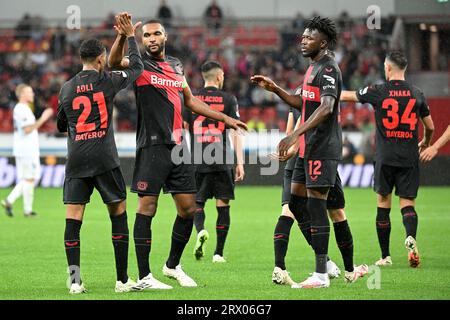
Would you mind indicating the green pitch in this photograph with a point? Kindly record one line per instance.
(33, 262)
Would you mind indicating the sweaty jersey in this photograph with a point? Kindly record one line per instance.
(397, 105)
(323, 78)
(159, 100)
(85, 111)
(210, 144)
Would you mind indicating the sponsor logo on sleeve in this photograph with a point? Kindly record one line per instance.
(363, 91)
(121, 73)
(330, 79)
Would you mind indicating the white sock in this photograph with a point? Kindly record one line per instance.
(15, 193)
(28, 195)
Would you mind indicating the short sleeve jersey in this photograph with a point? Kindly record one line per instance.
(159, 99)
(25, 145)
(323, 78)
(210, 145)
(85, 109)
(397, 106)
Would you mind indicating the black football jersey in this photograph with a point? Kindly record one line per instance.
(159, 100)
(85, 111)
(397, 106)
(323, 78)
(210, 145)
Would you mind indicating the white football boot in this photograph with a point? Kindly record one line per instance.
(150, 283)
(178, 274)
(317, 280)
(280, 276)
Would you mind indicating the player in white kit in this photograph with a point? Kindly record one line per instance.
(25, 150)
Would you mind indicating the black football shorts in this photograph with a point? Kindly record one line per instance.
(315, 173)
(405, 180)
(217, 184)
(154, 170)
(336, 198)
(110, 185)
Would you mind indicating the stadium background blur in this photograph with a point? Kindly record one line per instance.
(249, 37)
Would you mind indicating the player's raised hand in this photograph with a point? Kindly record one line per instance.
(285, 144)
(124, 25)
(428, 154)
(235, 124)
(264, 82)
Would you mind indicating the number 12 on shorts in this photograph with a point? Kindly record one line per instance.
(314, 167)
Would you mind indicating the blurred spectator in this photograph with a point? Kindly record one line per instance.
(298, 23)
(58, 43)
(108, 24)
(165, 14)
(356, 80)
(348, 150)
(47, 62)
(367, 144)
(373, 77)
(213, 16)
(23, 29)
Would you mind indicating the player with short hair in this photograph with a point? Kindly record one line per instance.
(161, 91)
(335, 208)
(25, 150)
(397, 105)
(216, 178)
(320, 149)
(85, 111)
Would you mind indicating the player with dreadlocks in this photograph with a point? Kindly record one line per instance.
(320, 149)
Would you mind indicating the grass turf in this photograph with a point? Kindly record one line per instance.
(33, 262)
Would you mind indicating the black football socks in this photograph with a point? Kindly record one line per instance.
(299, 208)
(281, 240)
(383, 224)
(120, 237)
(72, 246)
(344, 241)
(320, 231)
(410, 221)
(222, 227)
(199, 217)
(181, 232)
(143, 242)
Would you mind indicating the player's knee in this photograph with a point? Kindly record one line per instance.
(384, 200)
(147, 206)
(297, 205)
(286, 212)
(187, 211)
(116, 209)
(75, 211)
(337, 215)
(407, 202)
(222, 202)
